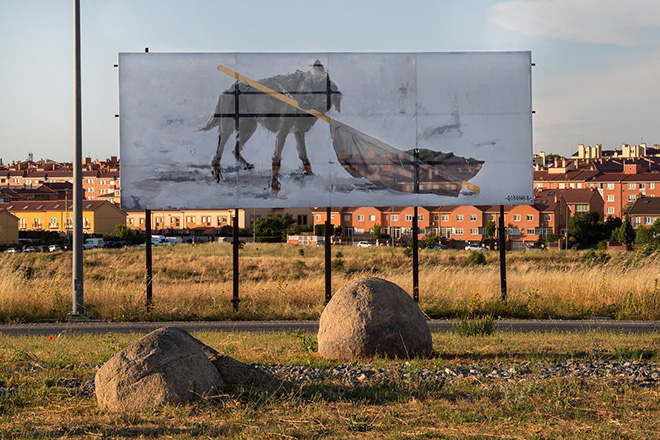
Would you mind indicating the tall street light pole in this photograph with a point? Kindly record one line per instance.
(77, 309)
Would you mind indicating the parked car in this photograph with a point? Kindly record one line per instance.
(364, 244)
(12, 250)
(438, 246)
(92, 243)
(475, 247)
(54, 248)
(30, 249)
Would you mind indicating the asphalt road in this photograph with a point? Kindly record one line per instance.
(436, 326)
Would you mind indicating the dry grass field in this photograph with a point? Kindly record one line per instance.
(45, 392)
(279, 281)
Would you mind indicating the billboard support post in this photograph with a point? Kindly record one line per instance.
(77, 309)
(502, 245)
(147, 243)
(328, 258)
(415, 232)
(235, 300)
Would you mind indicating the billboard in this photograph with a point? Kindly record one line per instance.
(271, 130)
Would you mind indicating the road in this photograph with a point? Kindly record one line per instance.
(436, 326)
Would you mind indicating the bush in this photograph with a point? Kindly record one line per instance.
(484, 326)
(476, 259)
(595, 257)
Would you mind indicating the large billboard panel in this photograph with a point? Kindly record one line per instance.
(248, 130)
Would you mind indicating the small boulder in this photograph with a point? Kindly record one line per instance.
(373, 316)
(166, 366)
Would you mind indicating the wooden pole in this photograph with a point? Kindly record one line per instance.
(328, 257)
(502, 245)
(147, 242)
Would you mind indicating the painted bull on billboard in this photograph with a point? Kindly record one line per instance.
(242, 107)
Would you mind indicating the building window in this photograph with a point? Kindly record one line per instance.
(474, 231)
(610, 186)
(649, 220)
(583, 207)
(53, 222)
(571, 185)
(130, 221)
(642, 186)
(141, 221)
(561, 186)
(632, 185)
(651, 185)
(530, 217)
(436, 217)
(547, 217)
(610, 210)
(360, 218)
(86, 222)
(632, 197)
(420, 218)
(579, 185)
(514, 231)
(409, 217)
(445, 217)
(459, 217)
(21, 223)
(347, 218)
(473, 217)
(302, 220)
(610, 198)
(516, 217)
(395, 217)
(318, 217)
(457, 231)
(531, 231)
(372, 218)
(490, 217)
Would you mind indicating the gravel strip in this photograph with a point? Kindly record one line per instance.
(638, 373)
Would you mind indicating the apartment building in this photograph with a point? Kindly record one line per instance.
(208, 221)
(458, 225)
(99, 217)
(645, 212)
(100, 179)
(8, 227)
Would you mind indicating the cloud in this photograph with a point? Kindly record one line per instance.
(622, 23)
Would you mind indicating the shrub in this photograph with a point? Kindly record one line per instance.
(484, 326)
(476, 259)
(595, 257)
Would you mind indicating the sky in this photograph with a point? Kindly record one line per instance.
(595, 80)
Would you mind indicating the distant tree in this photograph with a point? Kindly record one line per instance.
(273, 228)
(586, 229)
(552, 156)
(490, 229)
(610, 225)
(377, 234)
(551, 238)
(123, 232)
(624, 234)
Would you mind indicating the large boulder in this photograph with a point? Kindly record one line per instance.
(169, 366)
(373, 316)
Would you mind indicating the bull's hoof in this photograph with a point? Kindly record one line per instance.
(275, 185)
(216, 171)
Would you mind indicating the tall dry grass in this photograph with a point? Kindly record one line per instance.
(278, 281)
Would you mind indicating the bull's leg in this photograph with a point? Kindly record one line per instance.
(246, 130)
(277, 161)
(302, 153)
(275, 185)
(216, 170)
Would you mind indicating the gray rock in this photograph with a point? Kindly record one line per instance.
(166, 366)
(373, 316)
